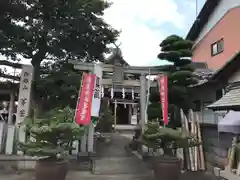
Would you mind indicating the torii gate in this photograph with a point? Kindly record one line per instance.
(118, 79)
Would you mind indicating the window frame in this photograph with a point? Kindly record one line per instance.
(218, 94)
(197, 107)
(217, 43)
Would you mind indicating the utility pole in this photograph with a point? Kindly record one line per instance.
(196, 9)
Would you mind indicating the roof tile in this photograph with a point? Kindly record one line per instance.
(230, 99)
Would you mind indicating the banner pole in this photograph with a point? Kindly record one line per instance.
(81, 145)
(163, 91)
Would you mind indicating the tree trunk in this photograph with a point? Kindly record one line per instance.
(36, 61)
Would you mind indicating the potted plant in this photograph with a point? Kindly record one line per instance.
(51, 138)
(166, 165)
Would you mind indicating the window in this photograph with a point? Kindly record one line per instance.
(217, 47)
(208, 115)
(219, 94)
(197, 105)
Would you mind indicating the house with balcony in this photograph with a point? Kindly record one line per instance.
(215, 33)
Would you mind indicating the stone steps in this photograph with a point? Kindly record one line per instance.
(114, 163)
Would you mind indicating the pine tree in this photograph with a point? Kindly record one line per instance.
(178, 52)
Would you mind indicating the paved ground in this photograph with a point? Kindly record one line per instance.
(113, 158)
(89, 176)
(114, 163)
(79, 176)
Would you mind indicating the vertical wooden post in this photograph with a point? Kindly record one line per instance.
(202, 159)
(232, 154)
(193, 149)
(187, 160)
(238, 168)
(129, 114)
(115, 114)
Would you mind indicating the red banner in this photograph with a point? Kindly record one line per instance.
(83, 112)
(163, 90)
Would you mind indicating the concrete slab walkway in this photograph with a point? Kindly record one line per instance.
(114, 160)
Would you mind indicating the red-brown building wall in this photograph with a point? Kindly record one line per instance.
(227, 28)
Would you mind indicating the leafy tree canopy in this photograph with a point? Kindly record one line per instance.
(56, 30)
(61, 29)
(11, 11)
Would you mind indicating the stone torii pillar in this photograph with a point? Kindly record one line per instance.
(142, 101)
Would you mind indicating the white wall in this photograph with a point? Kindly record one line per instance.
(207, 96)
(219, 12)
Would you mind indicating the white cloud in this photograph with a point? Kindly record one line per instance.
(140, 43)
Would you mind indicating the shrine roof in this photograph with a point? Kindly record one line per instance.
(116, 56)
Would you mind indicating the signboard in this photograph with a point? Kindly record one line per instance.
(96, 100)
(83, 112)
(24, 92)
(163, 90)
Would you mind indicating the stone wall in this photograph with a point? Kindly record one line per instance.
(215, 145)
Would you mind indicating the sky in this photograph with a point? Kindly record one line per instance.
(145, 23)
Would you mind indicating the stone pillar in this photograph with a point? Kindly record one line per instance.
(84, 142)
(21, 137)
(11, 127)
(90, 138)
(142, 100)
(95, 110)
(10, 139)
(10, 109)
